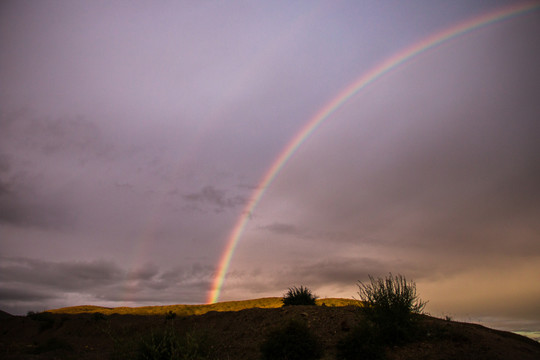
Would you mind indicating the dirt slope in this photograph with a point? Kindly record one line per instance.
(238, 334)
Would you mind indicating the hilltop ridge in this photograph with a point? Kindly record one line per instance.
(197, 309)
(92, 332)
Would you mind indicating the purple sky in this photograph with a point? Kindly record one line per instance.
(133, 133)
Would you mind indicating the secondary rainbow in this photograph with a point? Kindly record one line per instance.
(369, 77)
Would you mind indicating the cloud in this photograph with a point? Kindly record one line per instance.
(307, 232)
(24, 294)
(24, 205)
(145, 272)
(63, 276)
(179, 284)
(38, 160)
(346, 271)
(27, 281)
(4, 163)
(283, 229)
(74, 137)
(218, 199)
(449, 166)
(181, 274)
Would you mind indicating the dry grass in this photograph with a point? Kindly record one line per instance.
(186, 310)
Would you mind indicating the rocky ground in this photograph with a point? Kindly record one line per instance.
(239, 334)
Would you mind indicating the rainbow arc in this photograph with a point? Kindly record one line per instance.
(326, 111)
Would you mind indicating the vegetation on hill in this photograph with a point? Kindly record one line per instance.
(389, 317)
(240, 334)
(293, 341)
(186, 310)
(299, 296)
(391, 295)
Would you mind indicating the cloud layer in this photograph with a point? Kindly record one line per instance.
(29, 283)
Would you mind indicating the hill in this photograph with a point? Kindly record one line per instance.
(116, 333)
(186, 310)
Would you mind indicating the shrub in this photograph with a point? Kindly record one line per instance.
(45, 319)
(167, 344)
(299, 296)
(52, 344)
(362, 343)
(196, 346)
(160, 345)
(97, 316)
(295, 341)
(170, 315)
(392, 294)
(391, 304)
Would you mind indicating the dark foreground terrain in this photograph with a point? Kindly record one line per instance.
(239, 334)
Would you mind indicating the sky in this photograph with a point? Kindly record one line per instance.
(133, 135)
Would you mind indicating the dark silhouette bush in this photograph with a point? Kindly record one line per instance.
(170, 315)
(299, 296)
(97, 316)
(168, 344)
(364, 342)
(392, 305)
(52, 344)
(392, 295)
(160, 345)
(45, 319)
(294, 341)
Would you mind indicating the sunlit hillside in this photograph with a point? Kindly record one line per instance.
(184, 310)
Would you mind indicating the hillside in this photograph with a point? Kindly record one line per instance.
(186, 310)
(103, 333)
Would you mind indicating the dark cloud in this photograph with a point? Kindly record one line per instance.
(216, 198)
(64, 276)
(30, 284)
(180, 284)
(24, 294)
(146, 272)
(24, 206)
(182, 274)
(346, 271)
(30, 280)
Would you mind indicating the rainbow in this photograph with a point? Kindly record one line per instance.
(366, 79)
